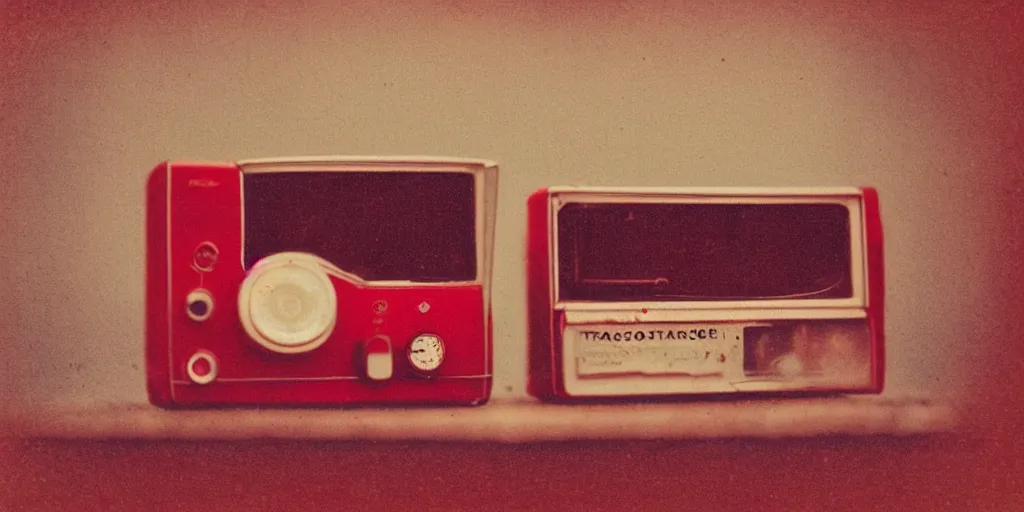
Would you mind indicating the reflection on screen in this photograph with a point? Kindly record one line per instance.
(622, 251)
(415, 226)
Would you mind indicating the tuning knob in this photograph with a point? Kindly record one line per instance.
(426, 353)
(202, 367)
(199, 305)
(288, 305)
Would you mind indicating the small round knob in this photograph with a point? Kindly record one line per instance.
(202, 367)
(205, 257)
(426, 352)
(199, 305)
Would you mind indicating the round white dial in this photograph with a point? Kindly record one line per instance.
(426, 352)
(287, 304)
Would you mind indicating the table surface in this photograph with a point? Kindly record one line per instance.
(508, 421)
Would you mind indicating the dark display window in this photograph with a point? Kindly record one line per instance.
(414, 226)
(703, 252)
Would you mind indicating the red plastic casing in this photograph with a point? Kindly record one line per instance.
(193, 203)
(546, 323)
(544, 379)
(875, 262)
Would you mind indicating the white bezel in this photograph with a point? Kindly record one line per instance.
(202, 355)
(848, 197)
(412, 360)
(280, 263)
(199, 295)
(579, 313)
(485, 173)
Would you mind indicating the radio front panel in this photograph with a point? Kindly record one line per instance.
(642, 292)
(346, 281)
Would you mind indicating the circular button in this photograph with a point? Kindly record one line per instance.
(199, 305)
(202, 367)
(426, 352)
(205, 257)
(288, 306)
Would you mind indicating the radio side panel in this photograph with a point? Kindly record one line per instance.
(874, 247)
(542, 366)
(189, 204)
(158, 379)
(490, 213)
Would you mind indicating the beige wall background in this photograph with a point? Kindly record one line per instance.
(919, 102)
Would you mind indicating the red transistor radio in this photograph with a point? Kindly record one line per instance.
(342, 280)
(644, 292)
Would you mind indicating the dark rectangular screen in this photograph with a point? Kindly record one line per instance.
(415, 226)
(614, 251)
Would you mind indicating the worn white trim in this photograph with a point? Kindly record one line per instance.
(486, 218)
(710, 305)
(707, 191)
(485, 184)
(850, 198)
(627, 316)
(418, 161)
